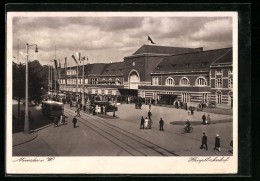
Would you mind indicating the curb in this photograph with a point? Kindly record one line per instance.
(33, 137)
(48, 125)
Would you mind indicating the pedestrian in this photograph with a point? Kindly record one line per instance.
(161, 123)
(150, 106)
(208, 119)
(146, 121)
(186, 106)
(84, 108)
(149, 114)
(74, 120)
(142, 123)
(231, 144)
(192, 111)
(57, 120)
(217, 143)
(61, 119)
(150, 122)
(78, 111)
(102, 109)
(203, 119)
(105, 110)
(176, 105)
(204, 142)
(70, 103)
(114, 112)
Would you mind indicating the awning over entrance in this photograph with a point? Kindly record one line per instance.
(128, 92)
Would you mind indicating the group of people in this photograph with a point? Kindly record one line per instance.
(206, 120)
(59, 120)
(205, 142)
(147, 122)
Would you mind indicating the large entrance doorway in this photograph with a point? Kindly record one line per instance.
(134, 80)
(167, 99)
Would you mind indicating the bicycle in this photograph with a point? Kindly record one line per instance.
(184, 130)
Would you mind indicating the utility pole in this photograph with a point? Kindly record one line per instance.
(26, 119)
(83, 83)
(49, 79)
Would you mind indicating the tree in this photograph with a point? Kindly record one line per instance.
(18, 83)
(36, 81)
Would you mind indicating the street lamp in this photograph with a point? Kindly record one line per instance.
(26, 120)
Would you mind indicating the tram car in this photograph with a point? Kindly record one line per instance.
(52, 108)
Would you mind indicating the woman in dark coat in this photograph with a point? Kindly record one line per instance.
(217, 143)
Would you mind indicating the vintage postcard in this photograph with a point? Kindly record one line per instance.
(122, 93)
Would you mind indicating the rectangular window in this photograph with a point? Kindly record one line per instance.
(155, 81)
(219, 83)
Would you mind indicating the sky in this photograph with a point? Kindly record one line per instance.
(110, 39)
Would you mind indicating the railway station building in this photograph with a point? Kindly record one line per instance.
(160, 74)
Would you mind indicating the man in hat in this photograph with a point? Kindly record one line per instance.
(161, 123)
(74, 120)
(217, 143)
(204, 141)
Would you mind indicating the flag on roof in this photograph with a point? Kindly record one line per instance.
(150, 39)
(74, 59)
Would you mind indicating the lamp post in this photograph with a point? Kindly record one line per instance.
(77, 98)
(26, 120)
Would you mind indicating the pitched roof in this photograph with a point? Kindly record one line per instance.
(190, 61)
(226, 58)
(97, 69)
(113, 69)
(164, 50)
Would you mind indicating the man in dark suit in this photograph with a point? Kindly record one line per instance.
(204, 119)
(204, 141)
(149, 114)
(161, 123)
(74, 120)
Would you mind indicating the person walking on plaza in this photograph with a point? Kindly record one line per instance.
(74, 120)
(208, 119)
(186, 106)
(217, 143)
(150, 106)
(142, 123)
(105, 110)
(231, 144)
(84, 108)
(204, 142)
(146, 121)
(177, 105)
(161, 123)
(204, 119)
(78, 111)
(149, 114)
(150, 122)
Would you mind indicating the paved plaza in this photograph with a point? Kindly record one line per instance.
(105, 135)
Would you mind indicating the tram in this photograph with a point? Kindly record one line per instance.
(52, 108)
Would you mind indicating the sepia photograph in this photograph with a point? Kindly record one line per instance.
(111, 92)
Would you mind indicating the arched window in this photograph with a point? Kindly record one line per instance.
(169, 81)
(201, 81)
(184, 81)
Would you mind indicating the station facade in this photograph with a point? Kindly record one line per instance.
(161, 74)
